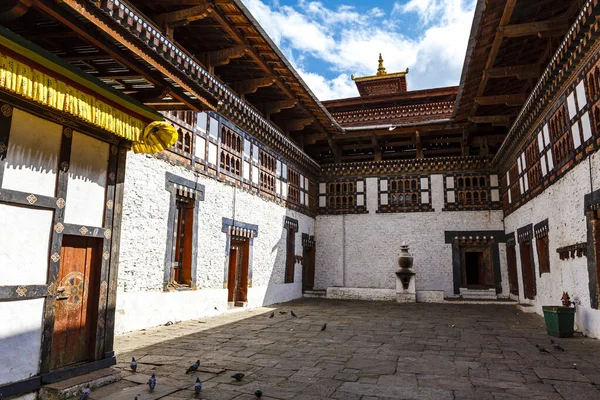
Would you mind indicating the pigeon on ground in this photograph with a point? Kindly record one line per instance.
(238, 376)
(258, 393)
(152, 382)
(556, 346)
(541, 349)
(133, 364)
(198, 386)
(282, 312)
(85, 394)
(193, 367)
(293, 314)
(324, 327)
(272, 314)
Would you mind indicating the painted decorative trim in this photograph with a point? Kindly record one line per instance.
(525, 233)
(290, 223)
(579, 250)
(541, 229)
(238, 228)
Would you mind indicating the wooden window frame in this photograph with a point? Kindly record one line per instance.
(291, 225)
(542, 246)
(184, 206)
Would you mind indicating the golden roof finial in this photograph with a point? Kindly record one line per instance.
(381, 70)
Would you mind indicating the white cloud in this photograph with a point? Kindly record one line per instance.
(345, 41)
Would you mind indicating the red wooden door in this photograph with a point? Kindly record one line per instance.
(309, 262)
(238, 271)
(76, 310)
(511, 256)
(231, 281)
(528, 272)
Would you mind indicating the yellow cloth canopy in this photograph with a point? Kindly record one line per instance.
(156, 137)
(20, 78)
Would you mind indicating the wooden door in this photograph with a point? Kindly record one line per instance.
(527, 269)
(238, 271)
(76, 311)
(231, 276)
(309, 268)
(513, 282)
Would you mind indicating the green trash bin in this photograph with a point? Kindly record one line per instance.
(560, 321)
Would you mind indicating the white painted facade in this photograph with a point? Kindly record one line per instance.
(360, 251)
(30, 169)
(141, 300)
(563, 205)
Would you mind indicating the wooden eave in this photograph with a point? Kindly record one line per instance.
(510, 42)
(125, 50)
(583, 34)
(230, 24)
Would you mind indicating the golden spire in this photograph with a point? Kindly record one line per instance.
(381, 70)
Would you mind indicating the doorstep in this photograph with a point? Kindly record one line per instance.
(72, 388)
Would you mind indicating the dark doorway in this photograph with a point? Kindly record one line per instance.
(527, 267)
(474, 266)
(477, 271)
(308, 279)
(513, 282)
(237, 278)
(76, 311)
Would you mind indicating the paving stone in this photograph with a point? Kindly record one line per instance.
(396, 392)
(561, 374)
(445, 382)
(370, 350)
(577, 390)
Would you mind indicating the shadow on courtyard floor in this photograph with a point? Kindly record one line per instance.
(370, 350)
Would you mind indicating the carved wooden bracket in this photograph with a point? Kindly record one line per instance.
(252, 85)
(276, 106)
(12, 9)
(299, 124)
(224, 56)
(185, 16)
(579, 250)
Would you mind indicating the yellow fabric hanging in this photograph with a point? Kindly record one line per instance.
(157, 136)
(35, 85)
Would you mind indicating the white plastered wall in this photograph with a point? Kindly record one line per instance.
(20, 339)
(361, 250)
(33, 152)
(86, 188)
(563, 205)
(141, 301)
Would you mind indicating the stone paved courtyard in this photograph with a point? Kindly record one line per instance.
(370, 350)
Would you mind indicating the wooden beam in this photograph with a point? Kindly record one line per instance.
(224, 56)
(13, 9)
(495, 47)
(419, 145)
(185, 16)
(275, 107)
(376, 147)
(516, 99)
(123, 57)
(519, 71)
(533, 28)
(464, 145)
(299, 124)
(251, 85)
(484, 149)
(335, 149)
(499, 120)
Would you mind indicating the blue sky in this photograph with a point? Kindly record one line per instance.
(329, 40)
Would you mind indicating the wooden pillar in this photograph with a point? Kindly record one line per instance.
(419, 145)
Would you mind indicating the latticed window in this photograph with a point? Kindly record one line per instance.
(472, 189)
(294, 185)
(268, 170)
(231, 149)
